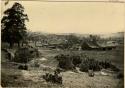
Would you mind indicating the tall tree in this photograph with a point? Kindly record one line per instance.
(13, 24)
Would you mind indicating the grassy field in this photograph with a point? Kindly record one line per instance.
(12, 77)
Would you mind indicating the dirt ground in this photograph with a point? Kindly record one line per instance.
(12, 77)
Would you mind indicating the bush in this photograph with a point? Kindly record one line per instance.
(24, 55)
(89, 64)
(36, 64)
(114, 68)
(23, 67)
(68, 62)
(65, 62)
(120, 75)
(85, 63)
(53, 78)
(95, 65)
(76, 60)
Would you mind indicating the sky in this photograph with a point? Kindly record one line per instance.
(73, 17)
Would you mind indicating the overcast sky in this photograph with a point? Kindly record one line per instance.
(73, 17)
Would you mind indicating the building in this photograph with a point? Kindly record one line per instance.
(95, 46)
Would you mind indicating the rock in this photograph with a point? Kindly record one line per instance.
(91, 73)
(43, 59)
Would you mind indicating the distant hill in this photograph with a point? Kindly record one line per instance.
(110, 35)
(113, 35)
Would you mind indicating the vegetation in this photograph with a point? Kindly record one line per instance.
(75, 80)
(24, 55)
(94, 38)
(92, 64)
(13, 25)
(53, 78)
(72, 40)
(37, 72)
(68, 62)
(85, 63)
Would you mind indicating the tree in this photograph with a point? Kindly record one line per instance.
(71, 40)
(13, 25)
(94, 38)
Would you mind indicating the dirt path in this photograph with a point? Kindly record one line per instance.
(82, 80)
(75, 80)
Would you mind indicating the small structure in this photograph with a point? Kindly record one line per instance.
(89, 46)
(96, 46)
(109, 45)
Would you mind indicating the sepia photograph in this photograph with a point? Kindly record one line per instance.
(62, 44)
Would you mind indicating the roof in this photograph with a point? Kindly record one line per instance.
(100, 45)
(108, 44)
(92, 45)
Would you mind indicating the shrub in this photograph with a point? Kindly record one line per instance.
(85, 63)
(23, 67)
(95, 65)
(76, 60)
(120, 75)
(53, 78)
(68, 62)
(24, 55)
(89, 64)
(36, 64)
(114, 68)
(84, 67)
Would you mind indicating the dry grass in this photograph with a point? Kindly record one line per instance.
(33, 77)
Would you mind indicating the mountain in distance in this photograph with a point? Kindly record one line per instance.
(113, 35)
(109, 35)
